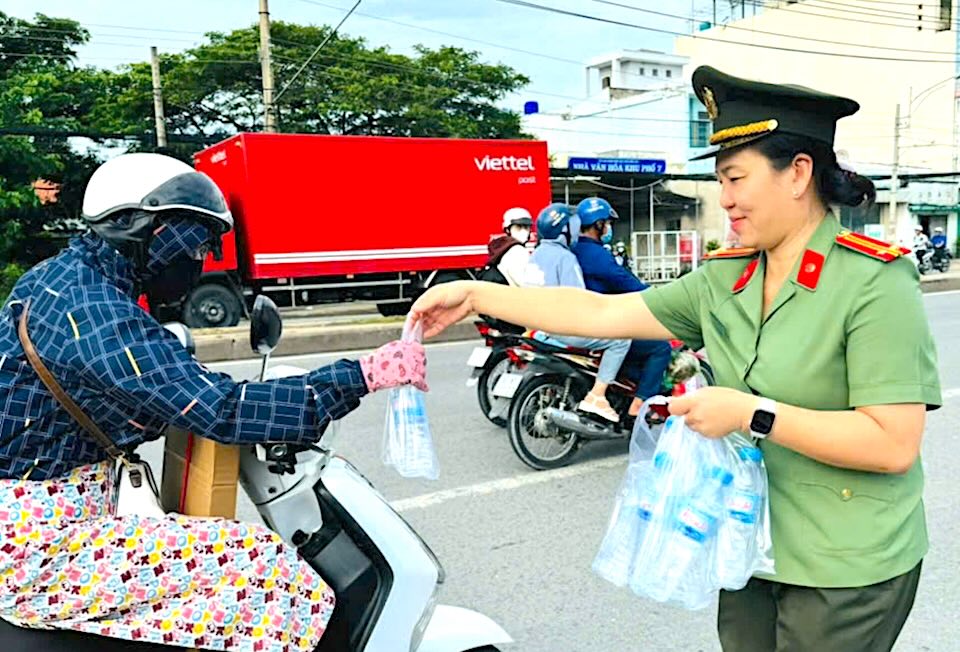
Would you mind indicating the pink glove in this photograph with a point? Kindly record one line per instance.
(395, 364)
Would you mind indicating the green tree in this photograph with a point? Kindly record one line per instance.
(210, 92)
(40, 89)
(349, 88)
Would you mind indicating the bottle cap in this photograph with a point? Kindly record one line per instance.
(750, 454)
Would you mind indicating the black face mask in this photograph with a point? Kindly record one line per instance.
(175, 281)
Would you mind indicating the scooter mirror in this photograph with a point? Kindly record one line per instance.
(266, 327)
(184, 335)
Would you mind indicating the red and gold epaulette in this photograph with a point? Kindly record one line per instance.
(871, 246)
(731, 252)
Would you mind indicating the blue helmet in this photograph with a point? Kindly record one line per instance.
(557, 220)
(593, 209)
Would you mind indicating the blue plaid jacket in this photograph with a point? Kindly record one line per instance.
(131, 376)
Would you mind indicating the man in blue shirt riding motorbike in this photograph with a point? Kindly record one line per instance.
(647, 360)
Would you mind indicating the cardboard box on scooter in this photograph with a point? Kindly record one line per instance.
(211, 479)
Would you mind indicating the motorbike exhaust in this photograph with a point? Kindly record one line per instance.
(586, 428)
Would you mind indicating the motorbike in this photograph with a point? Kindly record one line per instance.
(386, 578)
(546, 382)
(940, 260)
(489, 363)
(924, 261)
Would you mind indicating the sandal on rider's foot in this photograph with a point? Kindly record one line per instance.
(599, 406)
(655, 419)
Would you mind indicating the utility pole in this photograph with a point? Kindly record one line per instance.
(158, 99)
(894, 178)
(714, 13)
(266, 65)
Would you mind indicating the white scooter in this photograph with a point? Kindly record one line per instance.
(385, 577)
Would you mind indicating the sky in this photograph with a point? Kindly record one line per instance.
(123, 30)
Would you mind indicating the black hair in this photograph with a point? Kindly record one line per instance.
(834, 185)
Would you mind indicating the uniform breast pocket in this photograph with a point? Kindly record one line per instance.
(846, 516)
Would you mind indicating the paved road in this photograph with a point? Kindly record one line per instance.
(518, 544)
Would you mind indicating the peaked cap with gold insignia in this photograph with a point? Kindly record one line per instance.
(743, 110)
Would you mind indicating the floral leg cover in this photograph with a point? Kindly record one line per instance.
(67, 563)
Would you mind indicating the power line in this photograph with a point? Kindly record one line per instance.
(461, 37)
(804, 10)
(71, 56)
(528, 90)
(64, 31)
(451, 77)
(574, 14)
(319, 47)
(828, 5)
(757, 31)
(37, 132)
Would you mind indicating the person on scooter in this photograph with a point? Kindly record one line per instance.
(620, 255)
(508, 252)
(553, 264)
(939, 243)
(647, 360)
(921, 243)
(822, 353)
(66, 561)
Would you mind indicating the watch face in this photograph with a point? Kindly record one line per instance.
(762, 422)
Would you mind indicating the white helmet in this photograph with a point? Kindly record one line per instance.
(939, 229)
(517, 216)
(153, 183)
(126, 194)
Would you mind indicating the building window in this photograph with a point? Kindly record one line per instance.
(857, 218)
(668, 73)
(642, 71)
(655, 72)
(605, 82)
(700, 128)
(946, 15)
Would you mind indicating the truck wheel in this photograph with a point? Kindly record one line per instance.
(212, 306)
(448, 277)
(394, 309)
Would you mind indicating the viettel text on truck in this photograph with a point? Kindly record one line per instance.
(339, 218)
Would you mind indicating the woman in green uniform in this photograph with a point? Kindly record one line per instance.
(821, 350)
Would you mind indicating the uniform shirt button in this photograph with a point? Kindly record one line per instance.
(846, 494)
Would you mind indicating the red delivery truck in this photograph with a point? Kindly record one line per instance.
(323, 219)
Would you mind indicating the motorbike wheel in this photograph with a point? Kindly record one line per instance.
(538, 443)
(486, 383)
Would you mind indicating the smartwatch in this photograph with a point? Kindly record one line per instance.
(761, 425)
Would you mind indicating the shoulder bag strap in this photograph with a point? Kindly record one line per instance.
(62, 397)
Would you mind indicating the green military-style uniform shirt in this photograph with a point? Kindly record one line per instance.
(847, 329)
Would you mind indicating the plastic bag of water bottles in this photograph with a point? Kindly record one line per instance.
(691, 517)
(407, 442)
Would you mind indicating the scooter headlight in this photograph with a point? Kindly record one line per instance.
(421, 627)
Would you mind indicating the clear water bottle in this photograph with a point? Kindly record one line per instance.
(612, 562)
(637, 507)
(408, 444)
(737, 537)
(681, 573)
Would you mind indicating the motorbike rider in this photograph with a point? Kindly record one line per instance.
(66, 561)
(647, 360)
(921, 243)
(620, 255)
(554, 264)
(508, 253)
(939, 242)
